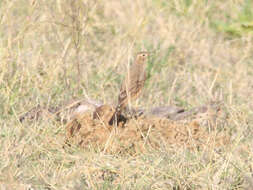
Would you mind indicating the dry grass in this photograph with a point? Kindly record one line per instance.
(52, 51)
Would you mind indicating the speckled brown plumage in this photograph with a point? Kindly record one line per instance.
(134, 81)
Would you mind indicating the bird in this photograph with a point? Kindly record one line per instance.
(134, 81)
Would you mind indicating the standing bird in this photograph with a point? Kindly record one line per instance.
(134, 81)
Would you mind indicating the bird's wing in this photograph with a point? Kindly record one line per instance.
(133, 83)
(133, 91)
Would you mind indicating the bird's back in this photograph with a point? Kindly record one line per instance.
(133, 83)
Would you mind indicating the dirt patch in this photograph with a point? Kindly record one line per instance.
(137, 134)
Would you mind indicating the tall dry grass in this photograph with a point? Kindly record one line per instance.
(52, 51)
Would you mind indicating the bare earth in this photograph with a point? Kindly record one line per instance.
(138, 134)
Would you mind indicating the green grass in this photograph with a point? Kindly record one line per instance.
(238, 22)
(201, 48)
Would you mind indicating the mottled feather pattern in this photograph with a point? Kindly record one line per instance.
(134, 81)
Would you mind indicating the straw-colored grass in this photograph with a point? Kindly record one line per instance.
(52, 51)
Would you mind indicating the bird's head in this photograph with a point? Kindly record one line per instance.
(142, 56)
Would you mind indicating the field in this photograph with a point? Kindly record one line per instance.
(54, 51)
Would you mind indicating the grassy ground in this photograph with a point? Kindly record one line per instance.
(52, 51)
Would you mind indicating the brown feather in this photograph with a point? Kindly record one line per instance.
(134, 81)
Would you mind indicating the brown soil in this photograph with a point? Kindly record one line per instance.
(136, 135)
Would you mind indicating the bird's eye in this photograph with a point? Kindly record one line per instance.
(143, 55)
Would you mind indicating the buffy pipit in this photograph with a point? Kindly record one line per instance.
(134, 81)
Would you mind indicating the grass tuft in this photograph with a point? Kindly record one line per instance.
(53, 51)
